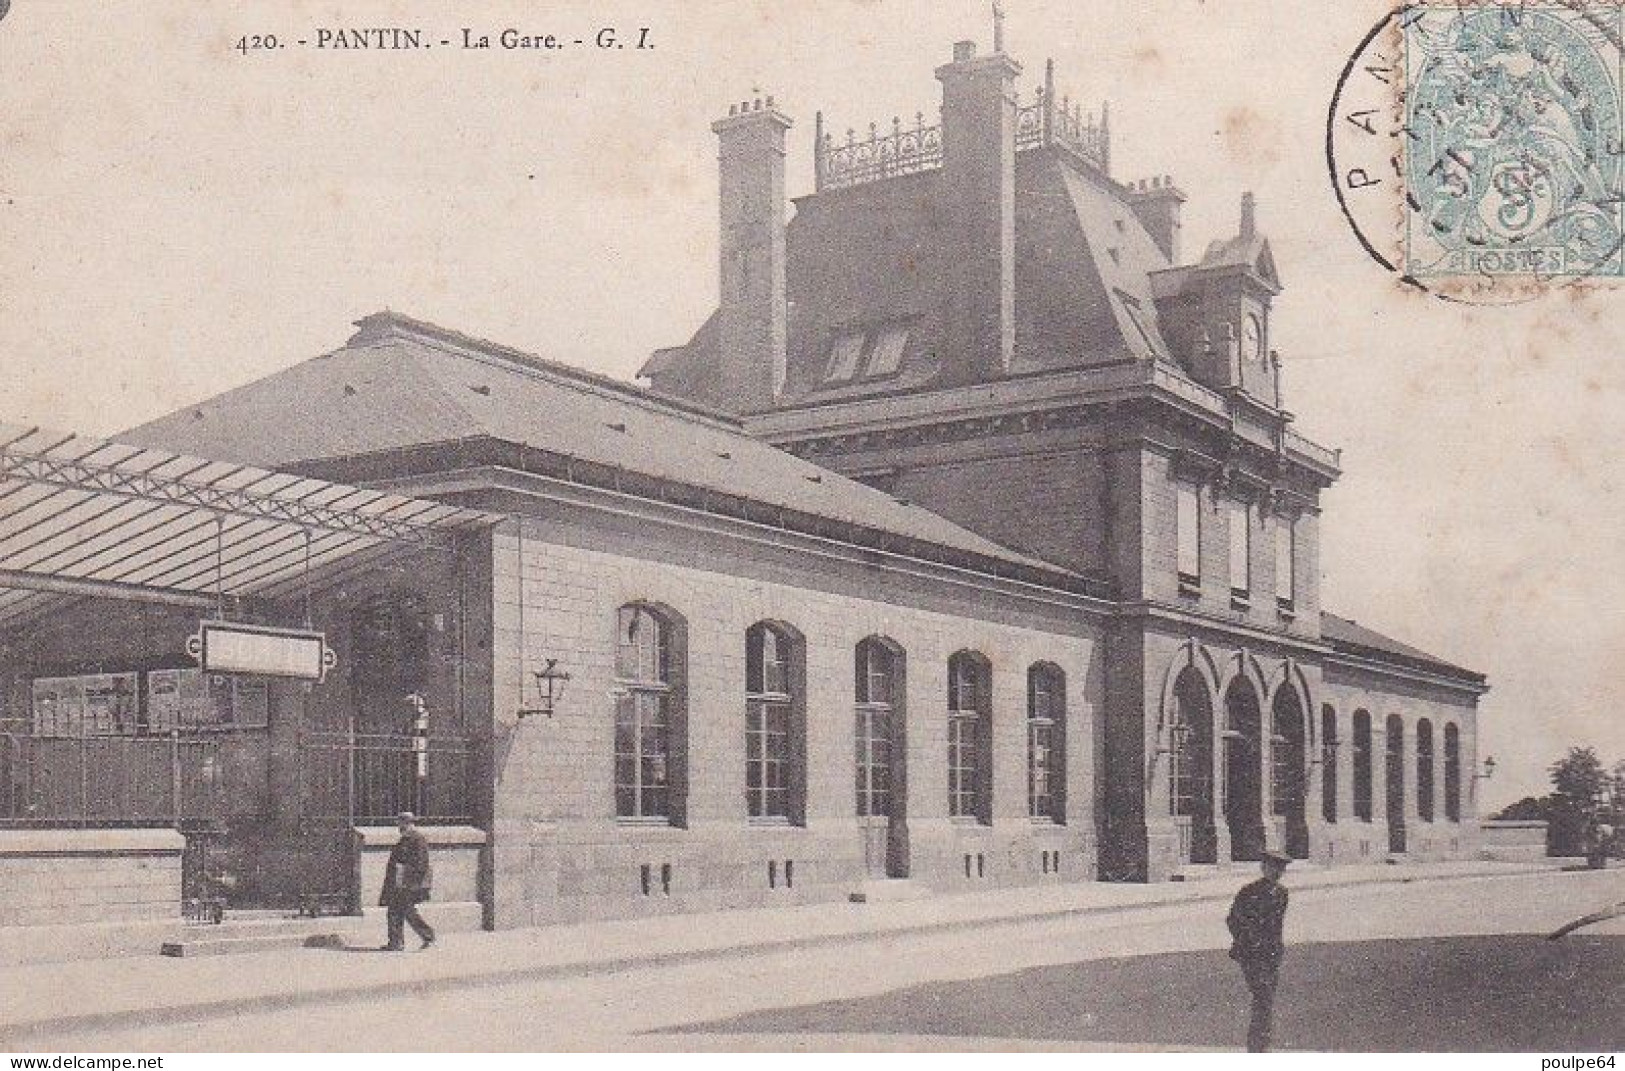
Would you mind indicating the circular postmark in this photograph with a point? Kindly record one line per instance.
(1477, 149)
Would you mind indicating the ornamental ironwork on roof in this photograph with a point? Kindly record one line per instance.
(905, 149)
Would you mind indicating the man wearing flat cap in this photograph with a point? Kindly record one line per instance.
(1255, 921)
(406, 884)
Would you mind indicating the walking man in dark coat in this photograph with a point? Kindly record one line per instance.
(1255, 921)
(406, 884)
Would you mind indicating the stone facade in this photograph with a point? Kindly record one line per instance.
(89, 875)
(1072, 388)
(989, 419)
(560, 850)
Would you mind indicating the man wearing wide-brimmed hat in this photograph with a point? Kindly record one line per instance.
(406, 884)
(1255, 921)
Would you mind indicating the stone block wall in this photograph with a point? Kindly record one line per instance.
(559, 850)
(1349, 690)
(61, 876)
(454, 858)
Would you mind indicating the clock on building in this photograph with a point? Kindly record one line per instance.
(1252, 339)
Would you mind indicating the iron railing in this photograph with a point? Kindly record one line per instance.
(109, 780)
(904, 148)
(369, 778)
(901, 151)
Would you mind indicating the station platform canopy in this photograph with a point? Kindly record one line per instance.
(98, 518)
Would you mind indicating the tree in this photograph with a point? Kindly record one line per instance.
(1580, 797)
(1616, 795)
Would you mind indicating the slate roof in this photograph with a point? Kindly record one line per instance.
(876, 253)
(1354, 638)
(402, 383)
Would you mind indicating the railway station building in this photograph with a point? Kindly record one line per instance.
(968, 544)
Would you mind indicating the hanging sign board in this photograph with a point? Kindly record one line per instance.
(223, 647)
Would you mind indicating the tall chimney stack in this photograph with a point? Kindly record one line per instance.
(978, 186)
(1156, 202)
(752, 317)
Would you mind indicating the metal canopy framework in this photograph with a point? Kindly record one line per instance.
(91, 517)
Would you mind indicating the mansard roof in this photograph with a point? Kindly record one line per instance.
(402, 385)
(872, 255)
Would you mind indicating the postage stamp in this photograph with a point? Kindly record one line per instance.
(1478, 148)
(1513, 141)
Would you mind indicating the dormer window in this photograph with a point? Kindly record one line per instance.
(845, 354)
(868, 353)
(1136, 315)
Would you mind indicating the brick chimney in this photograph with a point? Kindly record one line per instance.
(752, 315)
(978, 188)
(1157, 205)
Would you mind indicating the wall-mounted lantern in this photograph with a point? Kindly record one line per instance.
(550, 685)
(1179, 734)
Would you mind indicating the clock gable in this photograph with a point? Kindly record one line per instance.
(1217, 312)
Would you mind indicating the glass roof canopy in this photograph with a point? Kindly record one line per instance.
(91, 517)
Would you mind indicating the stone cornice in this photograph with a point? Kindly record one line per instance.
(1475, 688)
(488, 479)
(1325, 650)
(1026, 404)
(1150, 609)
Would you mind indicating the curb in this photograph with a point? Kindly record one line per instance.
(12, 1033)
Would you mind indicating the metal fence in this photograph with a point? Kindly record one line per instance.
(369, 778)
(162, 781)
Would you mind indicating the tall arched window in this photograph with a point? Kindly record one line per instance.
(877, 692)
(1328, 763)
(1287, 746)
(1046, 743)
(773, 689)
(1190, 767)
(648, 713)
(1393, 776)
(969, 737)
(1424, 770)
(1362, 766)
(1452, 772)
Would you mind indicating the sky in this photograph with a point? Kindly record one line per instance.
(178, 217)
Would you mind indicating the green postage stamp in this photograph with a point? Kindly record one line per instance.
(1512, 150)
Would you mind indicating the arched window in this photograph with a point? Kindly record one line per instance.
(1287, 746)
(648, 713)
(1190, 767)
(1046, 743)
(1328, 763)
(773, 701)
(1452, 772)
(1424, 770)
(1362, 766)
(876, 692)
(969, 737)
(1393, 776)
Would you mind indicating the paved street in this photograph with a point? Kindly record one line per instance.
(1450, 965)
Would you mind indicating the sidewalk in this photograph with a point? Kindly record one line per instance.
(39, 1001)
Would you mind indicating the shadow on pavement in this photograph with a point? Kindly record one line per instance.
(1506, 993)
